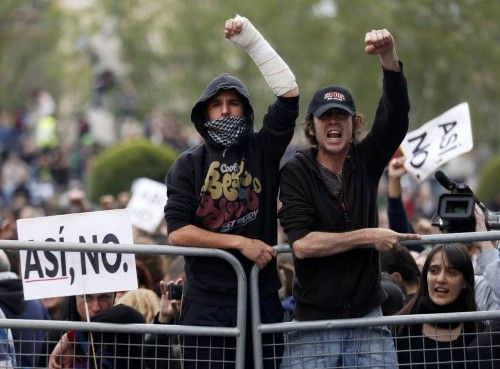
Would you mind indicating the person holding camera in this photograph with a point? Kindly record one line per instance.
(485, 256)
(486, 265)
(222, 194)
(163, 351)
(329, 212)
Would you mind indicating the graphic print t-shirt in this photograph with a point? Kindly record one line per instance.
(230, 197)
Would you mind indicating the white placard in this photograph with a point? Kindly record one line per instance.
(59, 273)
(438, 141)
(146, 204)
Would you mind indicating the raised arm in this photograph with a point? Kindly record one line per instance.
(276, 72)
(398, 219)
(382, 43)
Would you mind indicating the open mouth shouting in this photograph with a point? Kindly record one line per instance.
(334, 133)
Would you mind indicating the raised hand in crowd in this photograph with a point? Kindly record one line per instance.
(275, 71)
(395, 171)
(382, 43)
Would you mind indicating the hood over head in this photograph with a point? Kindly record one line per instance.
(219, 83)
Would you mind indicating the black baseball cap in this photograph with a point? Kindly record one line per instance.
(331, 97)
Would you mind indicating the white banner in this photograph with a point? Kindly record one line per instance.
(59, 273)
(146, 204)
(438, 141)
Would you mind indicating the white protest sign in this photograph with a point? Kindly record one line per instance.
(438, 141)
(60, 273)
(146, 204)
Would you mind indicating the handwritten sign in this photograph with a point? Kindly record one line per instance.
(60, 273)
(146, 204)
(438, 141)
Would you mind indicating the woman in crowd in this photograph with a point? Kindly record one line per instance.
(446, 286)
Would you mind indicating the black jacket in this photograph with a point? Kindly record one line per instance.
(347, 284)
(231, 191)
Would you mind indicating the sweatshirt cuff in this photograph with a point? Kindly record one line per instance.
(288, 103)
(390, 73)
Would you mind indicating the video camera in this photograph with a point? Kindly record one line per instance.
(455, 211)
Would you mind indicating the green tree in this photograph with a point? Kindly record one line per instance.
(449, 50)
(172, 48)
(451, 54)
(28, 42)
(114, 169)
(489, 181)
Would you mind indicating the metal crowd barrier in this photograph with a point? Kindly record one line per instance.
(471, 354)
(156, 346)
(133, 346)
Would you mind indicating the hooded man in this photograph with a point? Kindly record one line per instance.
(223, 194)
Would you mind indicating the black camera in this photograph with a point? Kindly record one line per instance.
(455, 211)
(174, 291)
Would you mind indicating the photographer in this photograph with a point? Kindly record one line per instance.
(163, 351)
(461, 211)
(486, 265)
(485, 256)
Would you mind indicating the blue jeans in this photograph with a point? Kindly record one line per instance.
(364, 347)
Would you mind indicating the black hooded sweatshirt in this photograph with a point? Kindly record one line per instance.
(344, 285)
(231, 191)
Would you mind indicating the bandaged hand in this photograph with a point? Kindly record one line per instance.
(276, 72)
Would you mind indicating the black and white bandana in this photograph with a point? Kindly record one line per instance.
(226, 131)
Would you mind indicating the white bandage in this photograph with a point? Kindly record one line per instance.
(274, 69)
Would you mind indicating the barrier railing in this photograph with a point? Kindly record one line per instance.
(137, 353)
(237, 333)
(258, 329)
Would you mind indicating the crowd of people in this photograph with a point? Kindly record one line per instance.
(222, 193)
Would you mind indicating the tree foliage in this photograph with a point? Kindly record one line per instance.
(489, 180)
(173, 48)
(28, 50)
(114, 169)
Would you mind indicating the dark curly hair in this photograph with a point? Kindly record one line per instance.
(358, 122)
